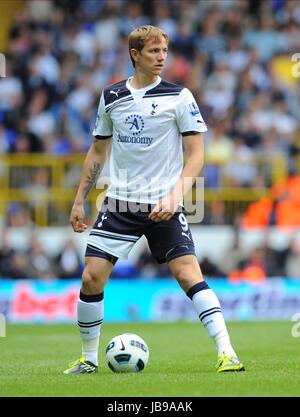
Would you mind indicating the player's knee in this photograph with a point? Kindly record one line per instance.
(187, 275)
(182, 274)
(89, 279)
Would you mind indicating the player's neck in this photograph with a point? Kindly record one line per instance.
(140, 80)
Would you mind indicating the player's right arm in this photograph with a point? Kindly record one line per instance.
(93, 164)
(92, 167)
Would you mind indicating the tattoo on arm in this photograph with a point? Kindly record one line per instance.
(92, 178)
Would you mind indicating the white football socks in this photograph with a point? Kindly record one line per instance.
(209, 311)
(90, 310)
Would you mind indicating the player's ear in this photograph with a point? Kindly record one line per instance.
(134, 54)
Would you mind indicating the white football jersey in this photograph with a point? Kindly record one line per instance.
(147, 126)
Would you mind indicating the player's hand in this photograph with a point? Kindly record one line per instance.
(76, 218)
(164, 209)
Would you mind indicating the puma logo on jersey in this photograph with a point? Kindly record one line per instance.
(188, 235)
(115, 92)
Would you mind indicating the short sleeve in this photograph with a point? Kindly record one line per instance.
(103, 126)
(188, 116)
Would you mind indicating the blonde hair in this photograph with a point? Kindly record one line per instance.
(141, 35)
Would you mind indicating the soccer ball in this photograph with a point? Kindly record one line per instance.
(127, 352)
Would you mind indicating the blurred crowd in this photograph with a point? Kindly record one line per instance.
(238, 59)
(234, 55)
(255, 264)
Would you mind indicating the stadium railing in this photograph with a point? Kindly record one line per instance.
(46, 185)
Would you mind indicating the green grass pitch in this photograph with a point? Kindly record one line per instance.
(181, 363)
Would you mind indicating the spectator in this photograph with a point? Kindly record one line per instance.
(68, 263)
(7, 255)
(234, 256)
(292, 266)
(148, 268)
(210, 269)
(19, 215)
(242, 169)
(21, 268)
(40, 263)
(215, 214)
(253, 270)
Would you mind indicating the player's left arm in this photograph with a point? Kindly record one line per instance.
(194, 150)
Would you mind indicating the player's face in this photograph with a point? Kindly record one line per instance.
(152, 57)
